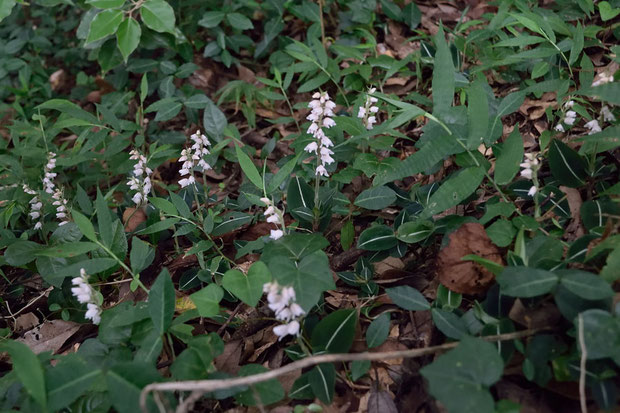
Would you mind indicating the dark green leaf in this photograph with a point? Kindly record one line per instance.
(161, 302)
(239, 21)
(128, 37)
(408, 298)
(585, 284)
(443, 74)
(378, 330)
(265, 393)
(248, 288)
(29, 370)
(566, 165)
(509, 156)
(104, 24)
(68, 380)
(249, 168)
(452, 192)
(376, 198)
(207, 300)
(449, 323)
(377, 238)
(335, 333)
(526, 281)
(322, 380)
(415, 231)
(158, 15)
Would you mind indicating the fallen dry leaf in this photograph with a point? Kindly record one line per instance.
(133, 217)
(49, 336)
(26, 322)
(575, 229)
(57, 79)
(467, 277)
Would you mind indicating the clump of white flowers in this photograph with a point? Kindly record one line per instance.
(140, 181)
(569, 117)
(35, 206)
(603, 79)
(593, 127)
(368, 112)
(282, 301)
(530, 166)
(62, 212)
(85, 294)
(607, 115)
(48, 174)
(320, 116)
(194, 157)
(274, 216)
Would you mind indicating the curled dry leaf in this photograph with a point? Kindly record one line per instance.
(49, 336)
(467, 277)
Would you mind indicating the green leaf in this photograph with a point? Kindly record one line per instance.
(477, 114)
(359, 368)
(68, 380)
(585, 284)
(335, 333)
(508, 105)
(169, 111)
(601, 333)
(449, 323)
(213, 120)
(211, 19)
(158, 16)
(299, 195)
(313, 83)
(249, 168)
(161, 302)
(408, 298)
(526, 282)
(29, 370)
(261, 394)
(84, 225)
(231, 221)
(606, 11)
(159, 226)
(128, 37)
(347, 235)
(377, 238)
(412, 15)
(376, 198)
(106, 4)
(104, 24)
(104, 221)
(460, 381)
(452, 192)
(378, 330)
(282, 174)
(509, 156)
(322, 380)
(248, 288)
(309, 278)
(239, 21)
(125, 381)
(21, 252)
(70, 109)
(566, 165)
(415, 231)
(164, 205)
(577, 46)
(443, 74)
(69, 249)
(6, 7)
(207, 300)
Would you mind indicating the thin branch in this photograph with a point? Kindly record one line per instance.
(207, 386)
(582, 367)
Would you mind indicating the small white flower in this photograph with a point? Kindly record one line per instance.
(569, 104)
(603, 79)
(320, 170)
(186, 181)
(282, 301)
(593, 126)
(38, 225)
(570, 117)
(276, 234)
(368, 108)
(311, 147)
(559, 127)
(607, 115)
(93, 313)
(526, 173)
(532, 191)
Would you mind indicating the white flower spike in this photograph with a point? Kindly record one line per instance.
(320, 116)
(140, 180)
(282, 301)
(366, 112)
(85, 294)
(193, 157)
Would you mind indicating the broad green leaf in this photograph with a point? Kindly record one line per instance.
(29, 370)
(84, 225)
(526, 282)
(577, 46)
(461, 381)
(125, 381)
(158, 15)
(169, 111)
(443, 74)
(601, 334)
(477, 114)
(104, 24)
(261, 394)
(161, 302)
(566, 165)
(509, 156)
(408, 298)
(68, 380)
(299, 195)
(164, 205)
(606, 11)
(378, 330)
(159, 226)
(128, 37)
(314, 83)
(211, 19)
(609, 92)
(21, 252)
(454, 190)
(359, 368)
(347, 235)
(449, 323)
(377, 238)
(106, 4)
(335, 333)
(214, 121)
(207, 300)
(6, 7)
(309, 278)
(248, 288)
(67, 250)
(448, 299)
(508, 105)
(231, 221)
(104, 221)
(585, 284)
(70, 109)
(249, 168)
(239, 21)
(282, 174)
(415, 231)
(376, 198)
(294, 246)
(322, 380)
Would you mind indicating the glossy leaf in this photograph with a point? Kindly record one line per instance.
(566, 165)
(161, 302)
(207, 300)
(335, 333)
(29, 370)
(376, 198)
(408, 298)
(526, 282)
(104, 24)
(377, 238)
(378, 330)
(158, 15)
(128, 37)
(585, 284)
(415, 231)
(249, 168)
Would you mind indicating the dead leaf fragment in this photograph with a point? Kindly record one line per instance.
(25, 322)
(49, 336)
(57, 79)
(380, 401)
(132, 217)
(467, 277)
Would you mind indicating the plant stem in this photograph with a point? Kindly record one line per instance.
(122, 264)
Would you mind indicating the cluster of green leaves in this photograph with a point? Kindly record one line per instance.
(539, 50)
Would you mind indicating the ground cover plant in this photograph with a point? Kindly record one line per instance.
(332, 205)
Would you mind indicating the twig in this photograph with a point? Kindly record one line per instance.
(582, 367)
(34, 300)
(206, 386)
